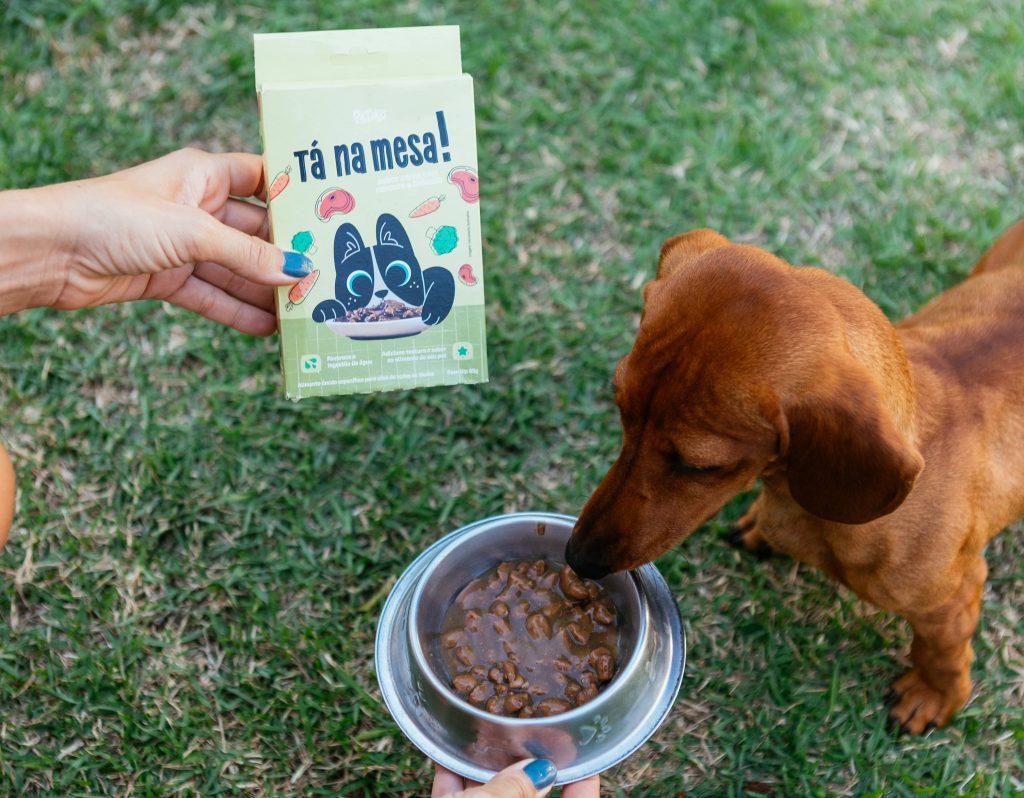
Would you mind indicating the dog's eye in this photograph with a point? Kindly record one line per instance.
(681, 466)
(398, 270)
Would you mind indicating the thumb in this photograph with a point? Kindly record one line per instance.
(522, 780)
(249, 256)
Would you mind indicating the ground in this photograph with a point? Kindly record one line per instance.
(190, 592)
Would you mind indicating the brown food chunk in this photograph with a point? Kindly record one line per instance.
(511, 674)
(552, 706)
(465, 655)
(604, 663)
(480, 693)
(500, 608)
(550, 603)
(602, 614)
(572, 585)
(580, 630)
(538, 626)
(515, 702)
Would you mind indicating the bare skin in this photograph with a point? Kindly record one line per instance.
(178, 229)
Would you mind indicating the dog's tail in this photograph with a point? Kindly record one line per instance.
(1006, 253)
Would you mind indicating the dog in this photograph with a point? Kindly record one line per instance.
(888, 455)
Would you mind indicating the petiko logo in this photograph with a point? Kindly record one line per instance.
(363, 115)
(309, 364)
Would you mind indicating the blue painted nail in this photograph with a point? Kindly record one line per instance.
(296, 264)
(541, 772)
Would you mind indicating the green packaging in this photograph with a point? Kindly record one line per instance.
(369, 144)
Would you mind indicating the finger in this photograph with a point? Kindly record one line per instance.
(445, 782)
(211, 302)
(245, 216)
(244, 171)
(262, 296)
(588, 788)
(531, 779)
(245, 255)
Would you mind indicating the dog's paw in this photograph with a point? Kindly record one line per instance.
(750, 541)
(917, 707)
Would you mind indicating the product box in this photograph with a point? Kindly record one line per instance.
(369, 146)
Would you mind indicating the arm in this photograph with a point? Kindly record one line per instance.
(31, 263)
(171, 229)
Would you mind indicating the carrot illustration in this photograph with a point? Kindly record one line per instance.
(428, 206)
(279, 184)
(301, 289)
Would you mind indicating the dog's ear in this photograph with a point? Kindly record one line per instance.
(684, 249)
(845, 459)
(1008, 251)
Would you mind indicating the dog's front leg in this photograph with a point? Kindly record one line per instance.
(746, 535)
(939, 684)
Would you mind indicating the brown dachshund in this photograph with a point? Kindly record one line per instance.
(888, 456)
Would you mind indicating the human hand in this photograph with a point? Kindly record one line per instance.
(170, 229)
(526, 779)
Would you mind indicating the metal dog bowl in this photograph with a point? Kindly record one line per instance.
(475, 744)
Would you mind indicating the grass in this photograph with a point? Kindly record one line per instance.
(191, 588)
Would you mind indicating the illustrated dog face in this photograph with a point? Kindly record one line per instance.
(740, 368)
(368, 275)
(389, 267)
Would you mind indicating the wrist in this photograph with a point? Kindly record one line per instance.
(36, 247)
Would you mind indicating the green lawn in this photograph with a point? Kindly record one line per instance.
(192, 585)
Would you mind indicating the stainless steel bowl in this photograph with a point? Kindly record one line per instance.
(475, 744)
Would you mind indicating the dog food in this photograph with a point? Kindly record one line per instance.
(388, 310)
(530, 639)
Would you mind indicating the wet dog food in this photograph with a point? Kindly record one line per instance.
(388, 310)
(530, 638)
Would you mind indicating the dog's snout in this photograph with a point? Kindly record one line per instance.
(584, 564)
(382, 293)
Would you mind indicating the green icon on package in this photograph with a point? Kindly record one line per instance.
(443, 239)
(310, 363)
(462, 351)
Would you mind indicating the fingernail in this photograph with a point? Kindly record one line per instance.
(296, 264)
(541, 772)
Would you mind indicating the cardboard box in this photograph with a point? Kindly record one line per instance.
(369, 144)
